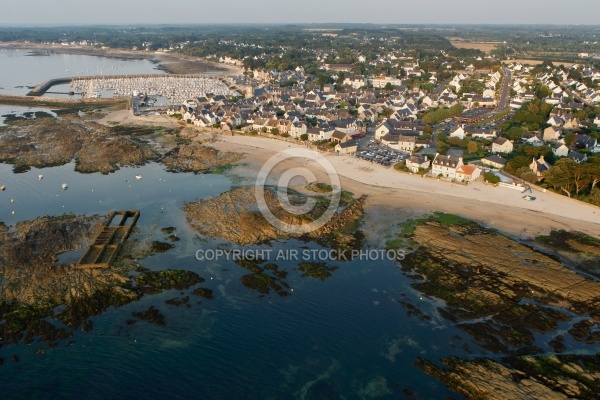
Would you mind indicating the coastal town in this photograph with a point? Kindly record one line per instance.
(502, 122)
(303, 211)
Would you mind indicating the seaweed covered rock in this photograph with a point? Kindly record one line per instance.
(152, 315)
(196, 157)
(235, 216)
(167, 279)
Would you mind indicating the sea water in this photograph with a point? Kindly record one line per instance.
(345, 337)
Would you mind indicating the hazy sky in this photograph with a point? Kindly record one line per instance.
(79, 12)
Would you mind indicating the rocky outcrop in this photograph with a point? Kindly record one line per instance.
(50, 141)
(504, 294)
(235, 217)
(495, 288)
(195, 157)
(543, 378)
(35, 289)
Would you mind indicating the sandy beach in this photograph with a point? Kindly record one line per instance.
(394, 196)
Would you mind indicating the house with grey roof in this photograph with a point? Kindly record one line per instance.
(446, 166)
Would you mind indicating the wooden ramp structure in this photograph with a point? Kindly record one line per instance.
(109, 241)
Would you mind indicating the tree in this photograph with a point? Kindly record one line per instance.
(386, 112)
(515, 133)
(491, 177)
(518, 165)
(304, 137)
(542, 92)
(560, 176)
(388, 86)
(442, 147)
(530, 177)
(595, 196)
(472, 147)
(454, 141)
(569, 138)
(594, 170)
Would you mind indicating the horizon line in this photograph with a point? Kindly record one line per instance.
(377, 24)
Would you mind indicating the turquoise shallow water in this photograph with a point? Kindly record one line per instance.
(345, 337)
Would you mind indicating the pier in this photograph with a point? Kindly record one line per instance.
(109, 241)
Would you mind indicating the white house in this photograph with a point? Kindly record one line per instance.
(415, 163)
(467, 173)
(446, 166)
(502, 145)
(560, 150)
(458, 132)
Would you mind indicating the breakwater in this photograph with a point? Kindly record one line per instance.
(55, 101)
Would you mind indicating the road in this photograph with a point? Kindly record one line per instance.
(575, 96)
(504, 99)
(440, 87)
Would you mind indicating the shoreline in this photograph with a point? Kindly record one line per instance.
(395, 196)
(171, 63)
(405, 196)
(408, 196)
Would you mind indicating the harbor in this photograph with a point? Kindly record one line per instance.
(176, 88)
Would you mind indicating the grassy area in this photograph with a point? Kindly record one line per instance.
(406, 229)
(221, 169)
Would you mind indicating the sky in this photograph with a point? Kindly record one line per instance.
(126, 12)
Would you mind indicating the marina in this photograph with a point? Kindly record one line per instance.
(177, 88)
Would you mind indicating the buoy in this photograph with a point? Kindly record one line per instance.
(40, 177)
(12, 200)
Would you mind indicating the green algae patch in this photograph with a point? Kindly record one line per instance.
(167, 279)
(204, 292)
(152, 315)
(317, 270)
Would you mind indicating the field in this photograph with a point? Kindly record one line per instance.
(483, 46)
(536, 62)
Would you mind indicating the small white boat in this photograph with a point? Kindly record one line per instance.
(138, 177)
(2, 187)
(40, 177)
(64, 186)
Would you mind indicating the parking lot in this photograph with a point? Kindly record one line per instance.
(380, 154)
